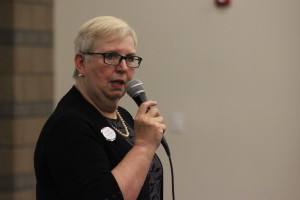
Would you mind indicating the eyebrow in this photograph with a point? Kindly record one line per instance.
(115, 52)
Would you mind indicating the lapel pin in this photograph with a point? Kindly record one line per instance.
(108, 133)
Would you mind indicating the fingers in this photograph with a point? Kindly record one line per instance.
(147, 108)
(159, 123)
(160, 119)
(163, 128)
(144, 107)
(149, 125)
(152, 116)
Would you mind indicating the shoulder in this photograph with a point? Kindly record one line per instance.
(74, 109)
(73, 119)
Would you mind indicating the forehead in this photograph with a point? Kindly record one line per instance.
(115, 44)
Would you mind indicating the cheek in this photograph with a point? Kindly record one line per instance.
(100, 72)
(130, 74)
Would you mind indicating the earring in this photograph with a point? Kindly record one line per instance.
(80, 75)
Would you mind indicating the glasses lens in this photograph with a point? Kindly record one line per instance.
(112, 59)
(116, 59)
(133, 61)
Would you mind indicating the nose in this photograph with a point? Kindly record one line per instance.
(122, 66)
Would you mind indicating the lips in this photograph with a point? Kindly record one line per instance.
(118, 83)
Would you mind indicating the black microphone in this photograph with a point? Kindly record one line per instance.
(135, 89)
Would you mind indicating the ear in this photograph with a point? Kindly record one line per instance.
(79, 63)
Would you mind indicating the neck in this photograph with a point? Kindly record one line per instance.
(111, 115)
(107, 109)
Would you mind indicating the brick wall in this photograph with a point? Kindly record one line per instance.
(26, 90)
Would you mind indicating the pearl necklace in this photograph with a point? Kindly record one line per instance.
(126, 134)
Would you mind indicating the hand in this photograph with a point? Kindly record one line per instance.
(148, 126)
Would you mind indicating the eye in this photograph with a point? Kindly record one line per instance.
(130, 58)
(111, 56)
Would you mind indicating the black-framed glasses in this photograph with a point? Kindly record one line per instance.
(115, 59)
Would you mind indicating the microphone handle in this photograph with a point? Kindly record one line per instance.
(139, 99)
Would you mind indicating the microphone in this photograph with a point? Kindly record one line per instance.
(135, 89)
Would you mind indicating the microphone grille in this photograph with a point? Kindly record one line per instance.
(134, 88)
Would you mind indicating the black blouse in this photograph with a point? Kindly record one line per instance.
(73, 159)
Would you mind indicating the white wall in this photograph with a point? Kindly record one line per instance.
(233, 74)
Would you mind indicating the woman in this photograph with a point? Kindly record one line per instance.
(90, 148)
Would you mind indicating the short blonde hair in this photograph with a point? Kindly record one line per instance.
(99, 28)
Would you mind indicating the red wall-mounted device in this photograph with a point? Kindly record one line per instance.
(222, 2)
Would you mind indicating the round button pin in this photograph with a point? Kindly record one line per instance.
(108, 133)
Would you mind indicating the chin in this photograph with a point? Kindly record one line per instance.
(118, 95)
